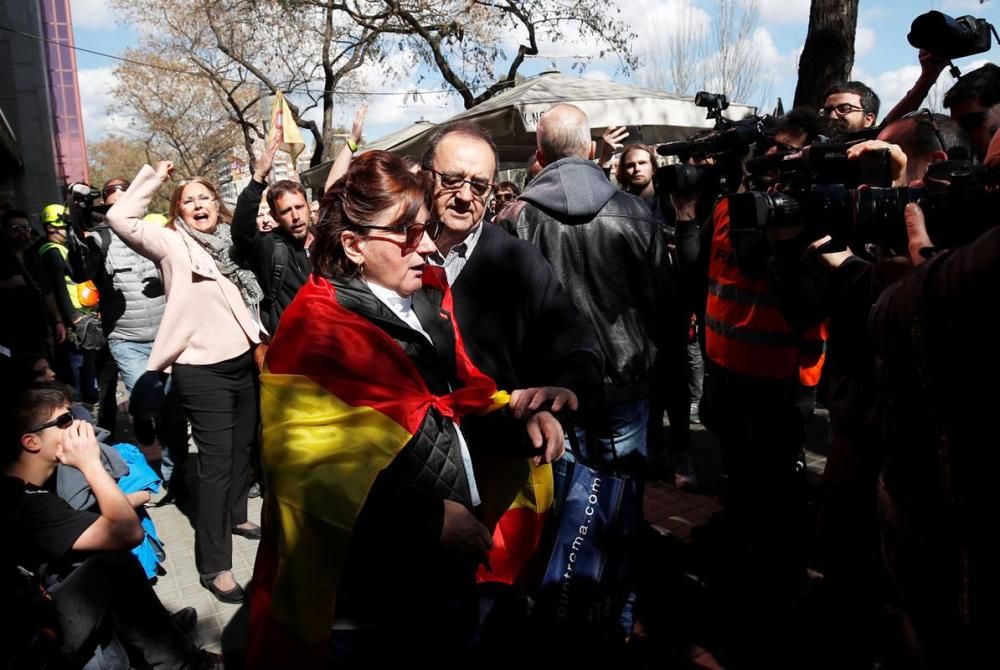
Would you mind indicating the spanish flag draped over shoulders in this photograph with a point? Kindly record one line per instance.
(339, 400)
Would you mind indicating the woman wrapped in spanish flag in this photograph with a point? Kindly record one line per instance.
(369, 521)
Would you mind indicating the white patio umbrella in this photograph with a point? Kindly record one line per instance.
(652, 116)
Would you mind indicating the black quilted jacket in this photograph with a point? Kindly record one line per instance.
(395, 564)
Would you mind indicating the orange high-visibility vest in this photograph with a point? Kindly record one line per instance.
(744, 329)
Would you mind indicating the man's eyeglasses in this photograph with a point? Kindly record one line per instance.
(843, 109)
(971, 121)
(505, 196)
(414, 231)
(927, 116)
(62, 422)
(20, 226)
(452, 182)
(203, 200)
(111, 188)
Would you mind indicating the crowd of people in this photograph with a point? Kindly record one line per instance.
(408, 366)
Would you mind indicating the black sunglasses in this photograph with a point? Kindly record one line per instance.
(111, 188)
(62, 422)
(452, 182)
(414, 231)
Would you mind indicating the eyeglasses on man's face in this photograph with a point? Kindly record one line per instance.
(451, 182)
(62, 422)
(201, 200)
(414, 231)
(843, 109)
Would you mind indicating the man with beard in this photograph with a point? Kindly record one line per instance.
(279, 259)
(849, 106)
(635, 175)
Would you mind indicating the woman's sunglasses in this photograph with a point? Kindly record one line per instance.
(414, 231)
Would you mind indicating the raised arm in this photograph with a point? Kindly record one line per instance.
(931, 67)
(125, 216)
(339, 167)
(246, 237)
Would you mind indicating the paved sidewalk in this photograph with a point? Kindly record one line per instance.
(180, 586)
(667, 509)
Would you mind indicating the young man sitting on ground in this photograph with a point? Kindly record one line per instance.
(82, 557)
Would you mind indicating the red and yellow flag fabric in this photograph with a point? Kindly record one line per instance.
(339, 400)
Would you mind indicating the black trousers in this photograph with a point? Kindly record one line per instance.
(221, 403)
(112, 590)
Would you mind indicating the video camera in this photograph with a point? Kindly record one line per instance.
(956, 199)
(949, 37)
(727, 143)
(84, 196)
(820, 163)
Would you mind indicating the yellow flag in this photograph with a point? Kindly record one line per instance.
(283, 125)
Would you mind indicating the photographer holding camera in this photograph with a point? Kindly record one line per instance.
(938, 404)
(823, 279)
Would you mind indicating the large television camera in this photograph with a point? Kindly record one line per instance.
(957, 199)
(727, 143)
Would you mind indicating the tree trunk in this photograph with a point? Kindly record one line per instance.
(828, 54)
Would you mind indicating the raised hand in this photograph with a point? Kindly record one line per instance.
(614, 138)
(78, 446)
(266, 161)
(164, 170)
(359, 123)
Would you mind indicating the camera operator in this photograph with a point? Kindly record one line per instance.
(756, 369)
(842, 287)
(935, 334)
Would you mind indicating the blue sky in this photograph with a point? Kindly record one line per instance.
(884, 59)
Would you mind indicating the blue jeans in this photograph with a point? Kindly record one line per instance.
(622, 442)
(131, 358)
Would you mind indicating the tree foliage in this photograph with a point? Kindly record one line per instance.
(249, 50)
(177, 117)
(119, 156)
(478, 46)
(312, 50)
(695, 52)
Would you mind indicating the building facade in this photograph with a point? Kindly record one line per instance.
(42, 144)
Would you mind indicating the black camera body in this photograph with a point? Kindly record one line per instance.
(821, 163)
(957, 200)
(683, 178)
(950, 37)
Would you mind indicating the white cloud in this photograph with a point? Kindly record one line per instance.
(92, 14)
(782, 11)
(95, 99)
(864, 41)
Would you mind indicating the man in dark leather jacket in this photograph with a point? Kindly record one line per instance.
(604, 246)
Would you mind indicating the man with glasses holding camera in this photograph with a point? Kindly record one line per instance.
(849, 106)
